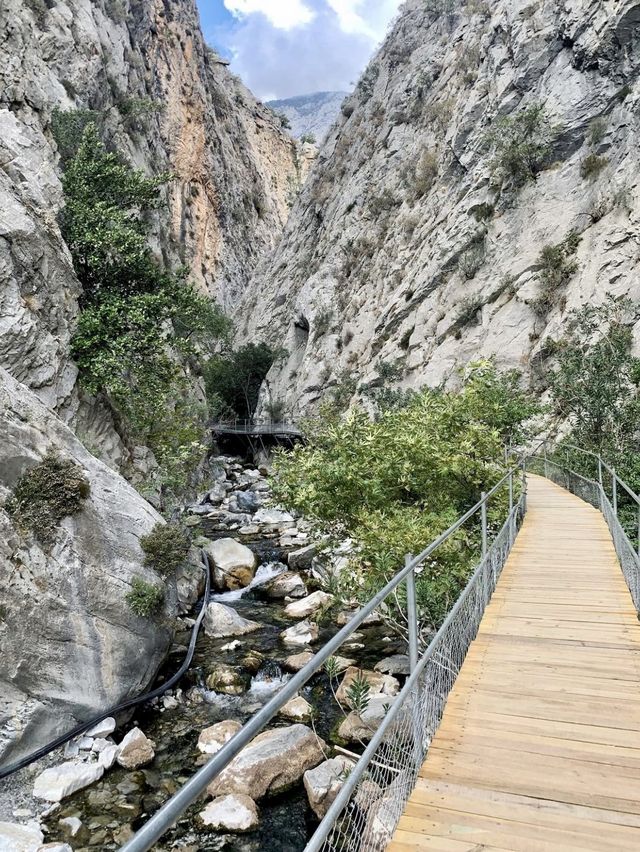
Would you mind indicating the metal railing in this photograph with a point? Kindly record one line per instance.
(607, 492)
(256, 427)
(367, 808)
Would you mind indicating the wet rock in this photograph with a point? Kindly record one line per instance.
(297, 709)
(362, 727)
(286, 585)
(300, 634)
(227, 680)
(234, 565)
(57, 782)
(271, 763)
(325, 782)
(237, 813)
(301, 559)
(341, 664)
(135, 750)
(346, 616)
(310, 605)
(70, 825)
(296, 662)
(214, 737)
(252, 661)
(232, 646)
(221, 621)
(248, 501)
(397, 664)
(103, 729)
(378, 683)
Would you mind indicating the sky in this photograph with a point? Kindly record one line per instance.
(283, 48)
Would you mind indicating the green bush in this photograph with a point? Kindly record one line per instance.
(165, 548)
(308, 138)
(395, 483)
(68, 126)
(557, 265)
(144, 598)
(521, 145)
(52, 490)
(233, 379)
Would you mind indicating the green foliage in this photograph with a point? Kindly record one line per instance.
(395, 483)
(165, 548)
(597, 130)
(233, 379)
(52, 490)
(283, 118)
(322, 324)
(470, 307)
(68, 126)
(596, 386)
(471, 260)
(557, 265)
(308, 138)
(521, 145)
(592, 165)
(358, 693)
(144, 598)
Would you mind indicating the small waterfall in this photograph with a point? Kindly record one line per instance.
(269, 680)
(264, 573)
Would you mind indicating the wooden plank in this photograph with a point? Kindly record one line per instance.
(539, 746)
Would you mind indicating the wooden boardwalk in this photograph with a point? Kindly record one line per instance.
(539, 747)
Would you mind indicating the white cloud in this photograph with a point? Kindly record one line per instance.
(282, 14)
(364, 17)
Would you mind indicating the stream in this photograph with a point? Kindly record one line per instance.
(114, 807)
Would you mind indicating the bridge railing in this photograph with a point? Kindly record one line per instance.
(261, 426)
(605, 490)
(366, 810)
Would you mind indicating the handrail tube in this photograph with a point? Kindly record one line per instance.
(608, 468)
(156, 826)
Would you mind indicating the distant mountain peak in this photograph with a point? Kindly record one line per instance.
(312, 114)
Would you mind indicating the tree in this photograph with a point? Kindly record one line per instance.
(233, 379)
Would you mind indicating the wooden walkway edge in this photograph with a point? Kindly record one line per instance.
(539, 746)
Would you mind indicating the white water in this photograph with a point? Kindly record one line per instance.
(264, 573)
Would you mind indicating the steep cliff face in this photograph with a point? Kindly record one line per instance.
(170, 105)
(404, 248)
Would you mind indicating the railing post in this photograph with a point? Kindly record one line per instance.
(511, 491)
(546, 465)
(614, 486)
(600, 470)
(638, 548)
(483, 513)
(412, 615)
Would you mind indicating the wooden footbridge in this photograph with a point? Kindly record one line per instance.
(539, 745)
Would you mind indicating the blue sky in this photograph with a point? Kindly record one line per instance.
(283, 48)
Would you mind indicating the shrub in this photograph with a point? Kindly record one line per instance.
(322, 323)
(471, 260)
(597, 131)
(483, 212)
(144, 598)
(557, 266)
(521, 145)
(470, 307)
(165, 548)
(52, 490)
(308, 138)
(283, 118)
(592, 165)
(425, 173)
(68, 128)
(233, 379)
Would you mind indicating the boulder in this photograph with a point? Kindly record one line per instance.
(215, 736)
(234, 564)
(285, 585)
(190, 581)
(271, 763)
(226, 680)
(58, 782)
(300, 634)
(70, 825)
(108, 756)
(296, 662)
(362, 727)
(297, 709)
(397, 664)
(20, 838)
(221, 621)
(273, 519)
(346, 616)
(135, 750)
(237, 813)
(248, 501)
(305, 607)
(378, 683)
(301, 559)
(252, 661)
(324, 783)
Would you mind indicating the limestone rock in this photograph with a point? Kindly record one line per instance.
(303, 633)
(234, 565)
(271, 763)
(297, 709)
(226, 680)
(286, 585)
(236, 813)
(221, 621)
(378, 683)
(102, 729)
(296, 662)
(313, 603)
(135, 750)
(20, 838)
(325, 782)
(70, 825)
(362, 727)
(301, 559)
(397, 664)
(108, 756)
(58, 782)
(214, 737)
(273, 519)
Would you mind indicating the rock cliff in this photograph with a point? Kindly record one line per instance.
(479, 134)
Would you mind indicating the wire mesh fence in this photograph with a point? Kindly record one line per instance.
(364, 816)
